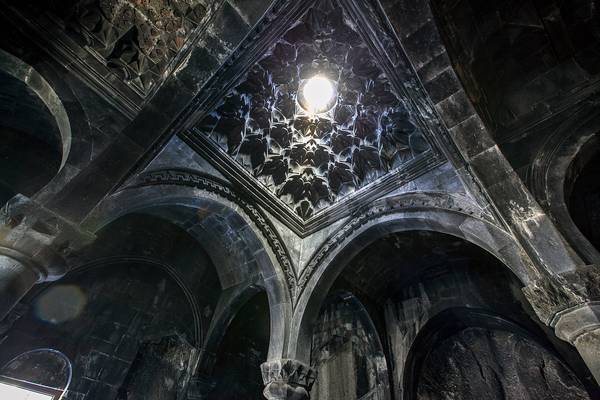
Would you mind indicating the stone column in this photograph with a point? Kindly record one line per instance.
(570, 303)
(287, 379)
(580, 326)
(34, 244)
(16, 278)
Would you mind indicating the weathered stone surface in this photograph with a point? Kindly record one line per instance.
(161, 370)
(479, 363)
(287, 379)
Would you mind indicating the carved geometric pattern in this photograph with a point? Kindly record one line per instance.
(311, 162)
(137, 39)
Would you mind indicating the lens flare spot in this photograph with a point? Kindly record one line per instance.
(317, 95)
(60, 303)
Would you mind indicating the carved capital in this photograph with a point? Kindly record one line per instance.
(287, 379)
(574, 322)
(39, 238)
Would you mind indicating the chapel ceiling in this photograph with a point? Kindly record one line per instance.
(313, 161)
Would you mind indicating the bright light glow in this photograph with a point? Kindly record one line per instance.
(318, 95)
(9, 392)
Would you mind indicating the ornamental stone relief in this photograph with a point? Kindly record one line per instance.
(311, 159)
(137, 39)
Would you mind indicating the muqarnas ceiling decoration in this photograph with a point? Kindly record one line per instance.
(137, 39)
(312, 161)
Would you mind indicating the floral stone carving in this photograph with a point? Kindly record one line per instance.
(312, 161)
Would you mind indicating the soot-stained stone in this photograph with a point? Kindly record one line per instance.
(479, 363)
(312, 161)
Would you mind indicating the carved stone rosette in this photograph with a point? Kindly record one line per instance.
(287, 379)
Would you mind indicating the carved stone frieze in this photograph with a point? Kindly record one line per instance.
(312, 161)
(411, 201)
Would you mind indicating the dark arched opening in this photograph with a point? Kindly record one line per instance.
(31, 148)
(582, 191)
(244, 347)
(476, 354)
(404, 279)
(347, 352)
(130, 316)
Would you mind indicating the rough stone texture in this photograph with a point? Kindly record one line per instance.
(161, 370)
(516, 59)
(478, 363)
(287, 380)
(193, 224)
(347, 353)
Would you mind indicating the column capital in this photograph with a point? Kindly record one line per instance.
(571, 323)
(38, 237)
(287, 379)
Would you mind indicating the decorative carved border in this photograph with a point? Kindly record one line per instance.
(296, 284)
(270, 202)
(412, 201)
(222, 189)
(383, 43)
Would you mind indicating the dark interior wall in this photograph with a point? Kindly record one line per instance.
(409, 278)
(584, 199)
(243, 349)
(483, 363)
(99, 319)
(516, 58)
(122, 308)
(30, 142)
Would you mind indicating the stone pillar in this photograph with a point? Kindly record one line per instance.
(16, 278)
(570, 304)
(34, 244)
(580, 326)
(287, 379)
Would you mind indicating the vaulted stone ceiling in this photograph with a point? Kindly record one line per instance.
(312, 161)
(137, 38)
(128, 47)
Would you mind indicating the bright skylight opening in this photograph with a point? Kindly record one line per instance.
(10, 392)
(317, 95)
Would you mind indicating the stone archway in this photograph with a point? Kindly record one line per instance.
(411, 212)
(482, 355)
(230, 237)
(36, 132)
